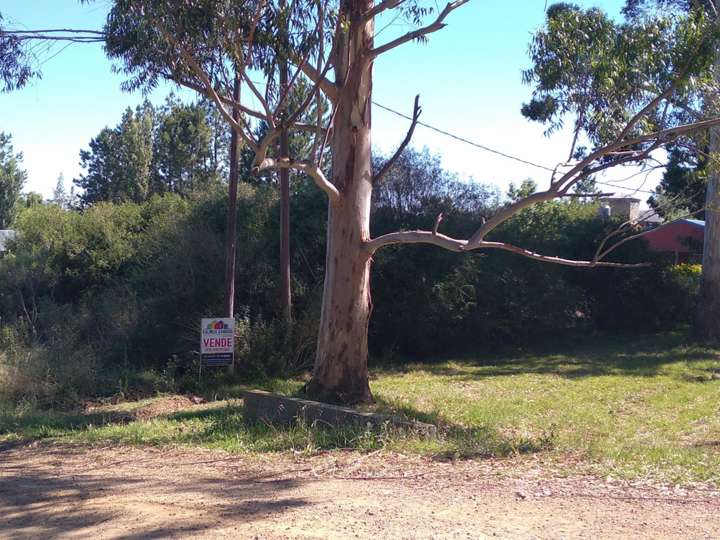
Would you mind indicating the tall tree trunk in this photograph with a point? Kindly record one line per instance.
(285, 291)
(340, 373)
(707, 326)
(231, 224)
(708, 320)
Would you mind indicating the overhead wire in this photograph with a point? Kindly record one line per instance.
(90, 36)
(498, 152)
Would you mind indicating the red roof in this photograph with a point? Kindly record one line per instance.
(676, 236)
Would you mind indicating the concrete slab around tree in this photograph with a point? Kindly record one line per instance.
(263, 406)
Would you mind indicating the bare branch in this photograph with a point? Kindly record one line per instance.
(627, 239)
(583, 169)
(588, 195)
(209, 90)
(308, 168)
(308, 99)
(416, 237)
(224, 99)
(52, 30)
(318, 97)
(251, 37)
(329, 88)
(268, 113)
(453, 244)
(509, 211)
(437, 24)
(438, 219)
(390, 162)
(559, 260)
(285, 92)
(377, 9)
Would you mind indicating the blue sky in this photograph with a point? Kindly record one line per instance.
(468, 78)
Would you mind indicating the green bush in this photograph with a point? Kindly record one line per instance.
(108, 300)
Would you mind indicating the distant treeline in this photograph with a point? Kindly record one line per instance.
(104, 293)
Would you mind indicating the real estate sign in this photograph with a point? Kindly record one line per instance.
(217, 341)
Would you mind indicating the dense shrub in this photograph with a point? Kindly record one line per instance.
(91, 299)
(431, 301)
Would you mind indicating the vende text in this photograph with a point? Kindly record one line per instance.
(217, 342)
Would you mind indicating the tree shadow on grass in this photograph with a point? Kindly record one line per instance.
(38, 424)
(451, 440)
(227, 424)
(454, 441)
(38, 502)
(626, 355)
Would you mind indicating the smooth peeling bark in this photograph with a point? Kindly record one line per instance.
(340, 374)
(707, 323)
(708, 319)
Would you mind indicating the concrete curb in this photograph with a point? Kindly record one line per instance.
(277, 409)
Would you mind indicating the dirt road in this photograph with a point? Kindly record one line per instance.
(60, 491)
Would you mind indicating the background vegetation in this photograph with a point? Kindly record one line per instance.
(102, 293)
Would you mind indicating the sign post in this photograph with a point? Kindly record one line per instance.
(217, 342)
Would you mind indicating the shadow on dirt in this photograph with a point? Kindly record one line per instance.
(37, 503)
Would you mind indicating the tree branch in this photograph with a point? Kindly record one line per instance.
(378, 8)
(583, 170)
(329, 88)
(588, 195)
(308, 168)
(454, 244)
(269, 118)
(416, 237)
(390, 162)
(438, 219)
(559, 260)
(209, 90)
(436, 25)
(603, 253)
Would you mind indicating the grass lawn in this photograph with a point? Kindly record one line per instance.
(630, 407)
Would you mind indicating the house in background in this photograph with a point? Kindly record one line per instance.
(683, 237)
(650, 219)
(5, 235)
(625, 207)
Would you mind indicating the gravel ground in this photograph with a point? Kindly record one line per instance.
(50, 490)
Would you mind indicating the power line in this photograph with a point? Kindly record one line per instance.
(461, 139)
(494, 151)
(88, 36)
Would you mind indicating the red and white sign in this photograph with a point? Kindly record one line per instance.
(217, 341)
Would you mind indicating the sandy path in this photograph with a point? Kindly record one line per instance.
(60, 491)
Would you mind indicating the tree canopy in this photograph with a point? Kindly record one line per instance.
(171, 149)
(601, 73)
(12, 180)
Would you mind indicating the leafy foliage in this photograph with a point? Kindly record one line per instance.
(15, 63)
(683, 185)
(119, 160)
(183, 157)
(174, 149)
(12, 179)
(603, 72)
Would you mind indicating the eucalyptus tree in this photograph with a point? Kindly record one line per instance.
(15, 66)
(208, 45)
(594, 70)
(708, 320)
